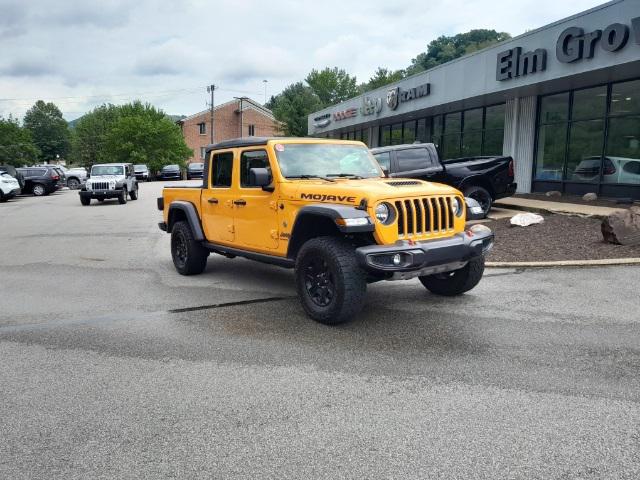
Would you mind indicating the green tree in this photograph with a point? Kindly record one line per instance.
(332, 85)
(444, 49)
(89, 135)
(143, 134)
(382, 77)
(292, 107)
(16, 145)
(49, 130)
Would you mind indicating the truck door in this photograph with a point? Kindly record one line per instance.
(217, 199)
(417, 163)
(255, 210)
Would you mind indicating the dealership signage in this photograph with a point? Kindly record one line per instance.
(344, 114)
(396, 95)
(573, 44)
(322, 121)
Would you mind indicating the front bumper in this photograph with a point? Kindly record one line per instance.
(100, 193)
(405, 260)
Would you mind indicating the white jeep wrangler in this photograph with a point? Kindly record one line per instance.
(110, 180)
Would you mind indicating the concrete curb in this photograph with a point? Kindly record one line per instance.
(566, 263)
(554, 210)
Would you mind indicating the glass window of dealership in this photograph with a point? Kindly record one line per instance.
(587, 136)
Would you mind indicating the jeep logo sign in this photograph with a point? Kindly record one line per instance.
(572, 45)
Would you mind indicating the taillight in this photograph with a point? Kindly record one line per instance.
(55, 177)
(511, 168)
(609, 168)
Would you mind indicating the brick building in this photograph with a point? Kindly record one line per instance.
(233, 119)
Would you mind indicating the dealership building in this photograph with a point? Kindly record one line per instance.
(562, 100)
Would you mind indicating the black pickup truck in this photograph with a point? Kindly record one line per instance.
(484, 179)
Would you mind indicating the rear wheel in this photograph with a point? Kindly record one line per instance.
(457, 282)
(122, 199)
(134, 193)
(482, 196)
(189, 257)
(39, 190)
(85, 201)
(330, 283)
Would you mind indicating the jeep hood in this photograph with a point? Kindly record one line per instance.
(351, 191)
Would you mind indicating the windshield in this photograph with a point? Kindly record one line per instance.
(195, 166)
(299, 160)
(140, 168)
(107, 170)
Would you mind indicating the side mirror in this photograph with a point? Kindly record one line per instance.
(259, 177)
(474, 210)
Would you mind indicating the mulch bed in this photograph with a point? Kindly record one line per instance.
(559, 237)
(600, 202)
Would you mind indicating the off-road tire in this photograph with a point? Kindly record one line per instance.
(122, 198)
(73, 183)
(348, 282)
(3, 197)
(39, 190)
(482, 196)
(85, 201)
(189, 257)
(457, 282)
(133, 194)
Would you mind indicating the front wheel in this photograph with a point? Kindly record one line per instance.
(85, 201)
(189, 257)
(330, 283)
(73, 183)
(134, 193)
(457, 282)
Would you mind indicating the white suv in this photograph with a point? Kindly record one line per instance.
(9, 187)
(110, 180)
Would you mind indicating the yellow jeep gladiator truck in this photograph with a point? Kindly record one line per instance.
(326, 209)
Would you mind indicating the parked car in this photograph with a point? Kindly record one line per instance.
(41, 180)
(110, 180)
(485, 179)
(614, 170)
(195, 170)
(11, 170)
(171, 172)
(9, 187)
(141, 172)
(76, 177)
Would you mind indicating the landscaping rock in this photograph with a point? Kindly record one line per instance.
(622, 227)
(589, 197)
(553, 193)
(526, 219)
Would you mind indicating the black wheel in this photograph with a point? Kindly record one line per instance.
(330, 283)
(3, 197)
(85, 201)
(122, 199)
(73, 183)
(39, 190)
(482, 196)
(457, 282)
(134, 193)
(189, 257)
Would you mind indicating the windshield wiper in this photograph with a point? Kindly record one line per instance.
(345, 175)
(306, 177)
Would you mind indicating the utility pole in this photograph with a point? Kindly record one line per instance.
(265, 91)
(211, 89)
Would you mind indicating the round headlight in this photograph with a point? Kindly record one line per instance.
(384, 213)
(456, 205)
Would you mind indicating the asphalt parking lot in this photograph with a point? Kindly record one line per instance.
(113, 365)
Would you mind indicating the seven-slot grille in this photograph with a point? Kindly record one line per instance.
(100, 185)
(419, 216)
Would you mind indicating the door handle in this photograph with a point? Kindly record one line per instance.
(240, 202)
(213, 200)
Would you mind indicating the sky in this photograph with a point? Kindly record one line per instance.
(81, 53)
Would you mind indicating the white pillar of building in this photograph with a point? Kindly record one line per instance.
(519, 138)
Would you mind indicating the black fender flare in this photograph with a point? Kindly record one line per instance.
(190, 213)
(304, 226)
